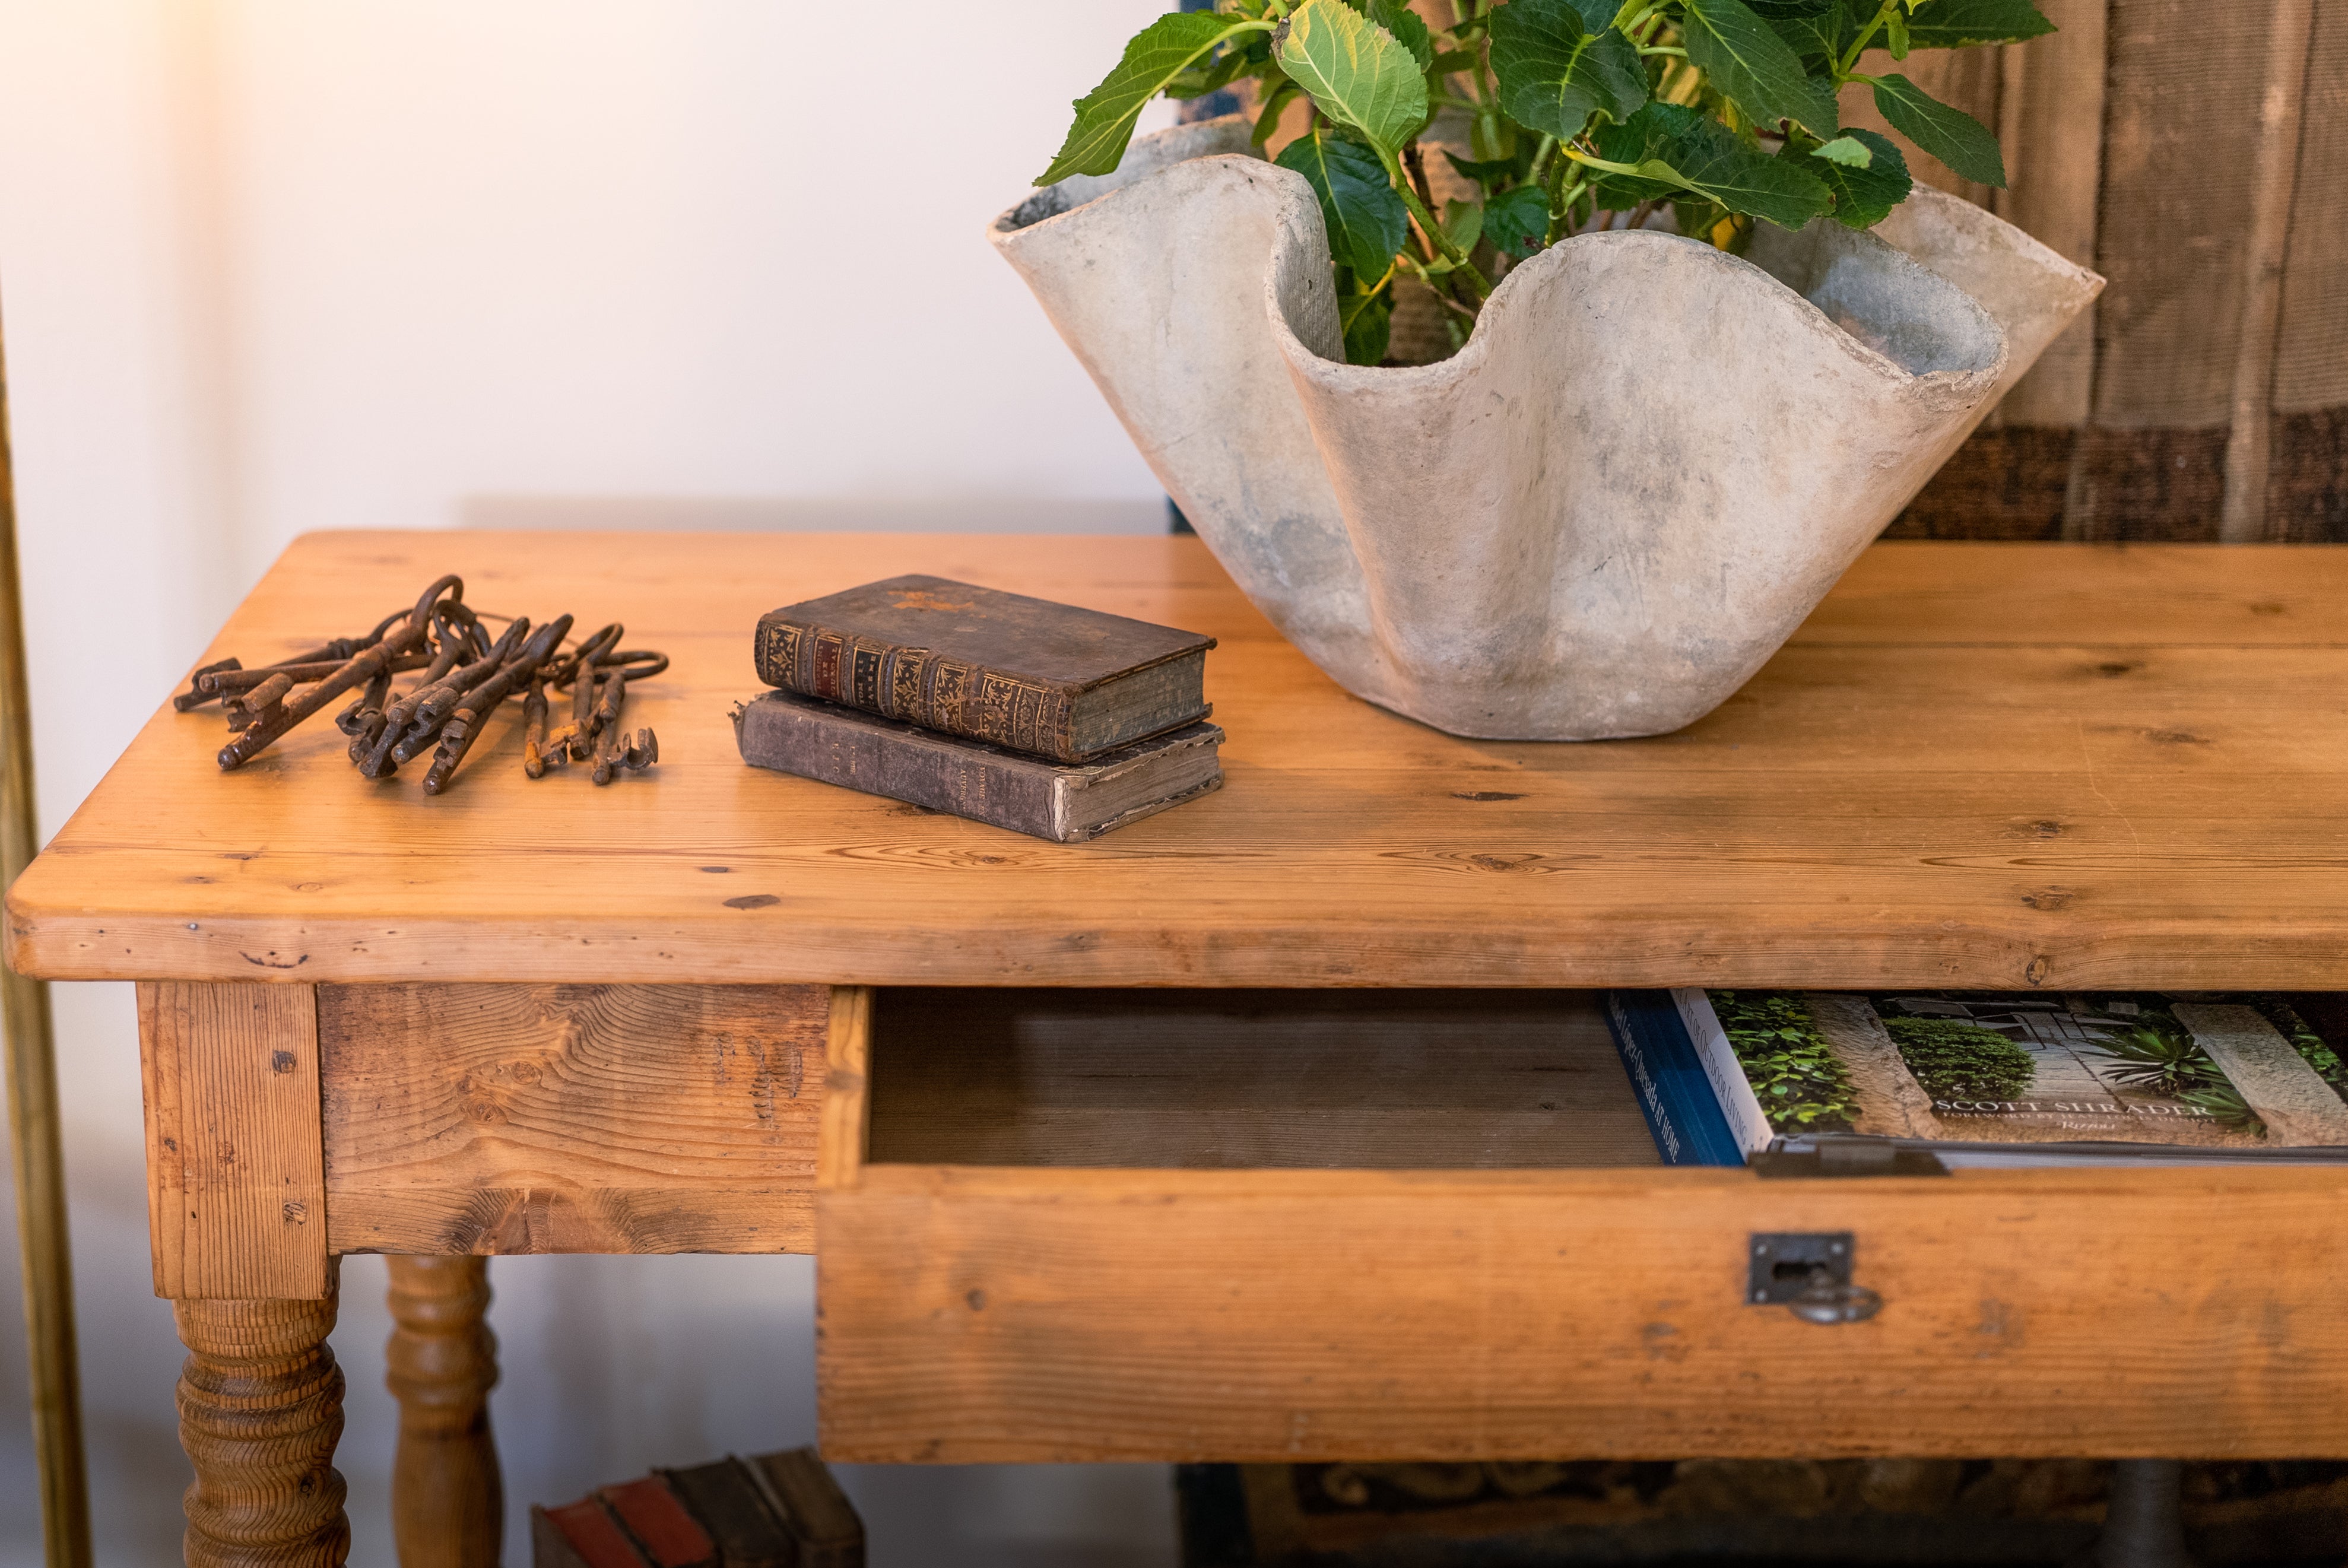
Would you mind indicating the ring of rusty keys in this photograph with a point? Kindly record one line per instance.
(465, 676)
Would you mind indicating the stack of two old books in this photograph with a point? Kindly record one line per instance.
(1036, 717)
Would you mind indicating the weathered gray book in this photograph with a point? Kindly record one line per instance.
(1069, 802)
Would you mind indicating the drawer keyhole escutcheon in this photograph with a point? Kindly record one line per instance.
(1808, 1273)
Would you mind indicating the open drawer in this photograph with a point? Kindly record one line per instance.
(1065, 1226)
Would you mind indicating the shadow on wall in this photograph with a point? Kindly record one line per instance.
(800, 514)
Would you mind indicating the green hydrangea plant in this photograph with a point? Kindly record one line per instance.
(1724, 110)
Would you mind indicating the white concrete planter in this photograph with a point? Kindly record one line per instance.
(1602, 516)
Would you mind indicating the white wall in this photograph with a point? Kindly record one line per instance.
(271, 265)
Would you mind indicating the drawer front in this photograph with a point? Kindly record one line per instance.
(1005, 1314)
(570, 1119)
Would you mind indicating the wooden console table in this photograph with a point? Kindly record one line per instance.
(1097, 1209)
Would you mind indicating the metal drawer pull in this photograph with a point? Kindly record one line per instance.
(1808, 1273)
(1827, 1302)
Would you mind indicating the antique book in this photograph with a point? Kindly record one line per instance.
(776, 1511)
(1067, 802)
(821, 1520)
(668, 1535)
(731, 1502)
(1026, 674)
(1983, 1079)
(582, 1534)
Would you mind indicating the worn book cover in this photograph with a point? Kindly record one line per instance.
(1066, 802)
(822, 1523)
(663, 1527)
(731, 1503)
(1049, 679)
(2215, 1075)
(582, 1534)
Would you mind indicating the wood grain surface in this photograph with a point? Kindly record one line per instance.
(235, 1186)
(1975, 766)
(1251, 1079)
(572, 1119)
(447, 1497)
(260, 1410)
(994, 1314)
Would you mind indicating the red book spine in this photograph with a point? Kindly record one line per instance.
(590, 1533)
(670, 1536)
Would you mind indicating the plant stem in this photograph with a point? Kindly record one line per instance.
(1432, 232)
(1538, 173)
(1843, 67)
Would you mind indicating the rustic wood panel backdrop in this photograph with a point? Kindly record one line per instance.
(2197, 157)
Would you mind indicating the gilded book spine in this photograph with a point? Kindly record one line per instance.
(915, 686)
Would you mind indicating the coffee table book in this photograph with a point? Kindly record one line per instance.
(1981, 1079)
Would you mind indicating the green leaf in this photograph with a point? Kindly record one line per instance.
(1864, 194)
(1517, 222)
(1895, 33)
(1267, 119)
(1790, 10)
(1368, 321)
(1241, 58)
(1486, 174)
(1452, 63)
(1951, 135)
(1748, 61)
(1711, 161)
(1954, 24)
(1816, 36)
(1555, 72)
(1156, 54)
(1367, 222)
(1463, 223)
(1409, 28)
(1355, 71)
(1846, 150)
(1636, 140)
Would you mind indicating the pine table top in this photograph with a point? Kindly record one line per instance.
(2070, 767)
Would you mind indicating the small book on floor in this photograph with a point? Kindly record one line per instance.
(1051, 680)
(1066, 802)
(1859, 1081)
(776, 1510)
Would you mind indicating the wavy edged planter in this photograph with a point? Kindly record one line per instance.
(1603, 514)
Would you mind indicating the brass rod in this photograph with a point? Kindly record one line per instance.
(33, 1124)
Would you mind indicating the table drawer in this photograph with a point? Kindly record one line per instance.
(1035, 1296)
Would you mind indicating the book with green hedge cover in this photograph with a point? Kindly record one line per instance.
(1988, 1079)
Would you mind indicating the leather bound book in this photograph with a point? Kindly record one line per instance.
(732, 1505)
(669, 1536)
(1068, 803)
(821, 1520)
(1048, 679)
(581, 1534)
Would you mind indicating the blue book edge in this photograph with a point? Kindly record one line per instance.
(1667, 1075)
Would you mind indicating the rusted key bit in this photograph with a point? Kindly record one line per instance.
(464, 727)
(246, 707)
(533, 729)
(361, 668)
(364, 716)
(195, 696)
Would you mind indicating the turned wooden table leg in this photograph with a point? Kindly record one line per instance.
(261, 1408)
(448, 1505)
